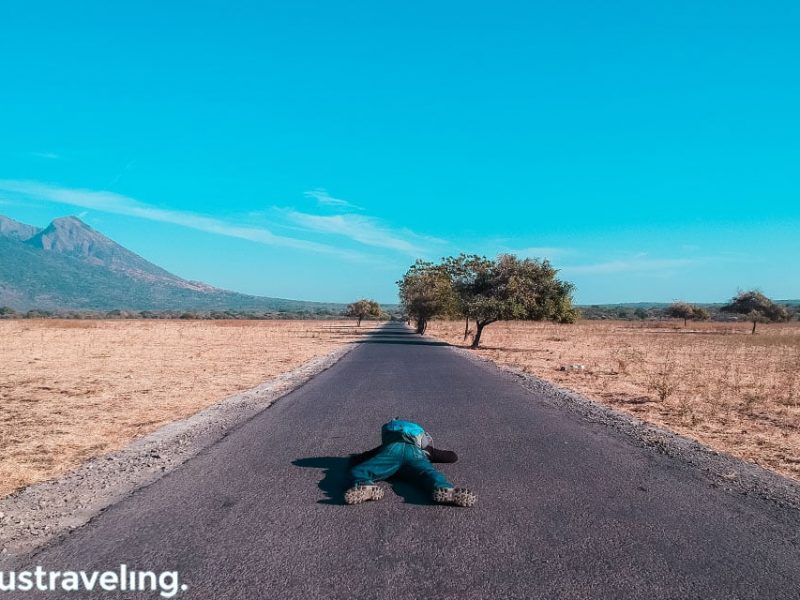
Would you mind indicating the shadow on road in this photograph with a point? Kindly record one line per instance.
(398, 334)
(409, 491)
(336, 479)
(395, 336)
(417, 342)
(335, 475)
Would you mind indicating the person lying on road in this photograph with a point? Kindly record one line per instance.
(405, 447)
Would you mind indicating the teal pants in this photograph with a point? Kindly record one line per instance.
(395, 457)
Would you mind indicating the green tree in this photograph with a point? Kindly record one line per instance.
(701, 314)
(426, 291)
(514, 289)
(757, 308)
(464, 271)
(641, 313)
(475, 287)
(686, 311)
(363, 308)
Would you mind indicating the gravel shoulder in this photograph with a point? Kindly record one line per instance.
(722, 470)
(41, 513)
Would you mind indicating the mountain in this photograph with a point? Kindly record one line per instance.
(69, 236)
(15, 230)
(69, 265)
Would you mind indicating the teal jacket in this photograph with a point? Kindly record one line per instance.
(409, 433)
(397, 430)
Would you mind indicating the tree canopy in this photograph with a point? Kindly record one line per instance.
(474, 287)
(514, 289)
(426, 291)
(464, 271)
(757, 308)
(686, 311)
(363, 308)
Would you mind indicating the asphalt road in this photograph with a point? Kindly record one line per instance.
(567, 508)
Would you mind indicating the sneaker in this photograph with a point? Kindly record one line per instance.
(363, 493)
(457, 496)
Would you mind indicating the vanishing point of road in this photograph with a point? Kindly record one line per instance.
(567, 508)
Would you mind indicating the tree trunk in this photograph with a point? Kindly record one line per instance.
(754, 327)
(478, 330)
(422, 325)
(359, 321)
(684, 321)
(466, 329)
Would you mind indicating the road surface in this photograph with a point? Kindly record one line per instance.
(567, 508)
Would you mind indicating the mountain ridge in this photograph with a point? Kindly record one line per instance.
(68, 265)
(16, 230)
(72, 237)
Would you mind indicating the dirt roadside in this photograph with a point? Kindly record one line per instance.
(713, 382)
(722, 470)
(45, 511)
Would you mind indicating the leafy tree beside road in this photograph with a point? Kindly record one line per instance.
(757, 308)
(426, 291)
(464, 271)
(474, 287)
(514, 289)
(363, 308)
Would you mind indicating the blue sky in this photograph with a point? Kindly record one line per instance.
(314, 150)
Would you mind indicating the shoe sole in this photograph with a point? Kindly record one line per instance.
(456, 496)
(363, 494)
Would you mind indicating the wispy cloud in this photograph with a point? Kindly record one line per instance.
(323, 198)
(47, 155)
(123, 205)
(632, 265)
(367, 231)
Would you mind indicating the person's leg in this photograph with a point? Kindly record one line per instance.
(381, 466)
(419, 466)
(443, 492)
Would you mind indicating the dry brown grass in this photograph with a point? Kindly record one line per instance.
(712, 381)
(70, 390)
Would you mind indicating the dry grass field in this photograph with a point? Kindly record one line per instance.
(70, 390)
(711, 381)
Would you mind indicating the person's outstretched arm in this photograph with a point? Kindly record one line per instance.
(441, 456)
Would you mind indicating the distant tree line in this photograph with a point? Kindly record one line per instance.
(751, 305)
(9, 313)
(477, 290)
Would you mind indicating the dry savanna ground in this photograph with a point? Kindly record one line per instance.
(70, 390)
(711, 381)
